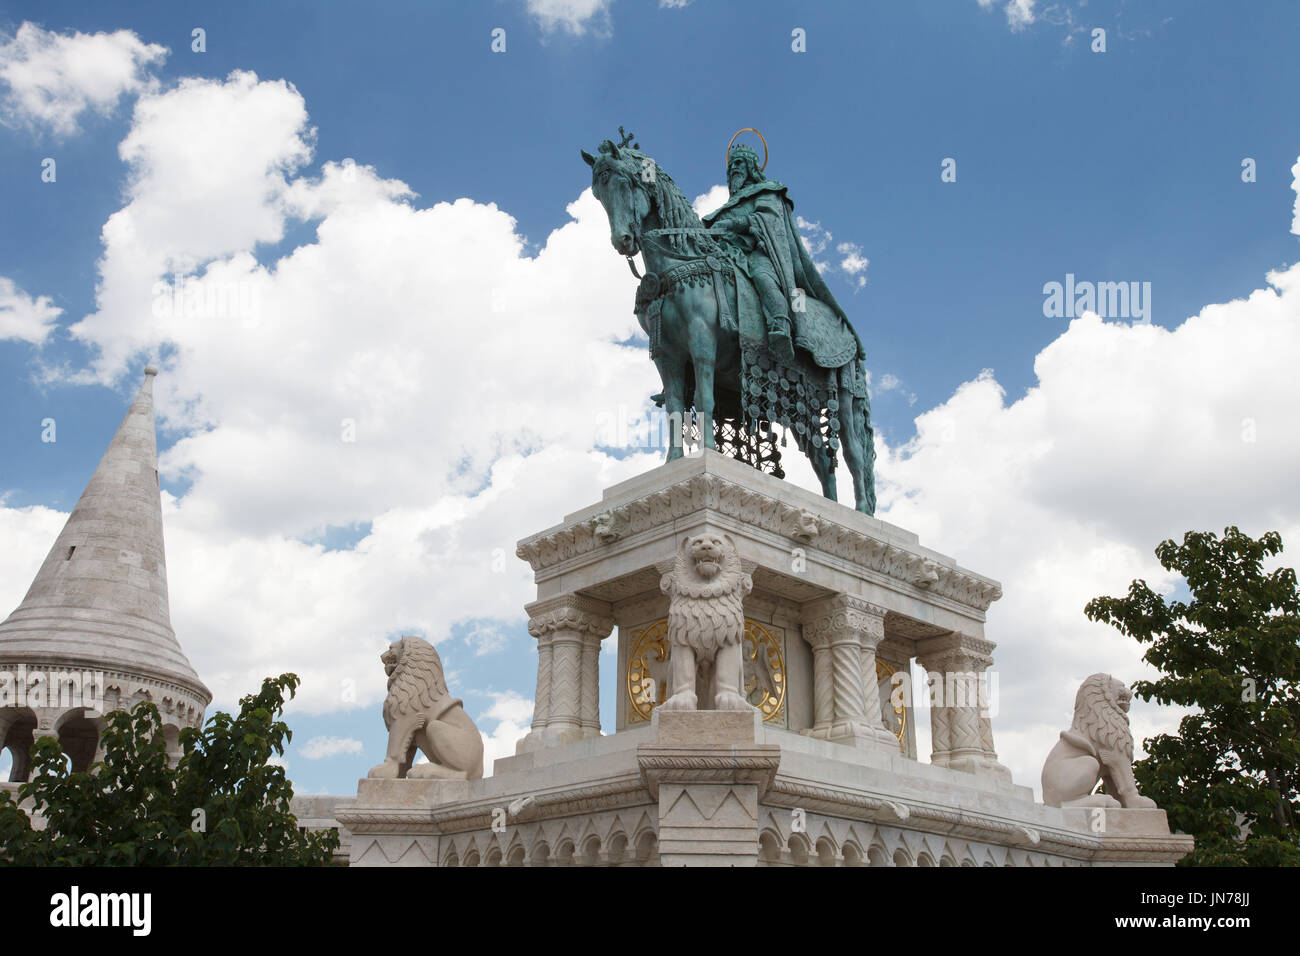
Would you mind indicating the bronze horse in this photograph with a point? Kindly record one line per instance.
(685, 305)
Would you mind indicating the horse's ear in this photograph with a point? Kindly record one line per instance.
(589, 159)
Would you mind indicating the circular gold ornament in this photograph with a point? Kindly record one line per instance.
(884, 671)
(650, 655)
(764, 670)
(748, 129)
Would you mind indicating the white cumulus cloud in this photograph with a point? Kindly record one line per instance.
(24, 317)
(1020, 13)
(319, 748)
(51, 79)
(1295, 184)
(513, 714)
(571, 16)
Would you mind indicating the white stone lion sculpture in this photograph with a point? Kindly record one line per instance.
(706, 621)
(1098, 746)
(421, 714)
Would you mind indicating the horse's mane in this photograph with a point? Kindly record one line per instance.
(675, 211)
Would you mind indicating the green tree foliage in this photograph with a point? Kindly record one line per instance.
(222, 804)
(1232, 654)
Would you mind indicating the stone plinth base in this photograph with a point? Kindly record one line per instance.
(708, 775)
(720, 788)
(391, 821)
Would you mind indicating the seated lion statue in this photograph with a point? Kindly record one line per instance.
(1098, 746)
(421, 714)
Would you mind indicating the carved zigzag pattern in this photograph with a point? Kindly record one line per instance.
(395, 852)
(702, 805)
(564, 681)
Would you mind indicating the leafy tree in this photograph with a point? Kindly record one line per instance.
(222, 804)
(1231, 775)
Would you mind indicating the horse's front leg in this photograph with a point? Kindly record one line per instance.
(703, 334)
(672, 373)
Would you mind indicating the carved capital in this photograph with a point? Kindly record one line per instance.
(570, 613)
(955, 651)
(841, 618)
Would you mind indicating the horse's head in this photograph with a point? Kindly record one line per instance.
(619, 178)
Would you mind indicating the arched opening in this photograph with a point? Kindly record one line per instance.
(493, 857)
(541, 855)
(647, 849)
(877, 856)
(825, 852)
(564, 856)
(172, 735)
(799, 849)
(617, 850)
(471, 857)
(851, 855)
(901, 858)
(79, 737)
(769, 849)
(516, 856)
(591, 851)
(17, 735)
(924, 859)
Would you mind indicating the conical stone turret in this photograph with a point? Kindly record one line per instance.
(94, 632)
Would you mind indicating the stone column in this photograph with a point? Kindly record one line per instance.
(569, 629)
(961, 730)
(872, 633)
(823, 699)
(589, 711)
(844, 631)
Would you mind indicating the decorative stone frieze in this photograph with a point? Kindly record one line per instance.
(849, 536)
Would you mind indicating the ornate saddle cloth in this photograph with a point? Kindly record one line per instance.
(803, 397)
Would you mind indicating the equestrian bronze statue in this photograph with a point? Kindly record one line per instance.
(743, 330)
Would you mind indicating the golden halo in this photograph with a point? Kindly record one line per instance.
(747, 129)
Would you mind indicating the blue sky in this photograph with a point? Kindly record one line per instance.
(1117, 166)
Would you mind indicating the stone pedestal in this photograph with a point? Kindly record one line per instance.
(391, 821)
(815, 781)
(708, 774)
(845, 587)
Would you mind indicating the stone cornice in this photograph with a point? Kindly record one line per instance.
(623, 791)
(839, 538)
(686, 764)
(112, 675)
(372, 820)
